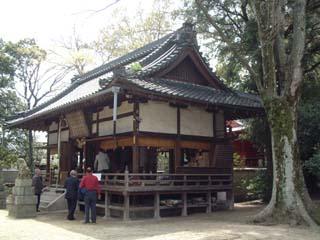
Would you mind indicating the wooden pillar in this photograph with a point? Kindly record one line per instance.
(156, 205)
(212, 160)
(97, 132)
(177, 149)
(214, 124)
(135, 146)
(177, 155)
(106, 205)
(126, 207)
(126, 197)
(184, 212)
(48, 177)
(209, 201)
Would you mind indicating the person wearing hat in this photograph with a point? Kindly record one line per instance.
(91, 184)
(72, 186)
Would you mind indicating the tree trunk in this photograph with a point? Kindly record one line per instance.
(269, 172)
(30, 150)
(289, 196)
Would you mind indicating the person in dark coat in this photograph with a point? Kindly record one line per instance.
(72, 186)
(38, 185)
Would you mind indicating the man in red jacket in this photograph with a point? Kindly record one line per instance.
(91, 184)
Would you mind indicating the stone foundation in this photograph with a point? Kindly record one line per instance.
(2, 193)
(22, 202)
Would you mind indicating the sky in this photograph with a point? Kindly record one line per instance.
(50, 21)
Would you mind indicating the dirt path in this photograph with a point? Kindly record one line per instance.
(228, 225)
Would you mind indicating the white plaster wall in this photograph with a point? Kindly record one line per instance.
(125, 107)
(106, 112)
(94, 128)
(196, 121)
(94, 116)
(65, 136)
(125, 124)
(53, 138)
(53, 126)
(158, 117)
(220, 123)
(105, 128)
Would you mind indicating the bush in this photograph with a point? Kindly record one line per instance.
(238, 161)
(257, 186)
(7, 158)
(312, 165)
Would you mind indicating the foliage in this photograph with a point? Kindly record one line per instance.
(309, 128)
(8, 158)
(282, 30)
(238, 161)
(13, 142)
(256, 186)
(135, 67)
(32, 84)
(312, 165)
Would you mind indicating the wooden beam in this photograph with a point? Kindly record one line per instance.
(195, 145)
(156, 142)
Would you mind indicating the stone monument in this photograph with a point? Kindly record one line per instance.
(21, 203)
(2, 192)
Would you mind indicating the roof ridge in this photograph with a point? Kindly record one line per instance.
(122, 60)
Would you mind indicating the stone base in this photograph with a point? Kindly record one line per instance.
(2, 200)
(22, 202)
(22, 211)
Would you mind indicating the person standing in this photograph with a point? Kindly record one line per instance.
(38, 186)
(91, 184)
(72, 186)
(102, 162)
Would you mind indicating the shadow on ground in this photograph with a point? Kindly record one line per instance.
(217, 225)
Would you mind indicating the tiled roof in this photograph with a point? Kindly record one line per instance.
(196, 92)
(152, 58)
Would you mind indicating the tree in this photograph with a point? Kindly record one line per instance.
(281, 31)
(32, 83)
(73, 54)
(13, 143)
(130, 33)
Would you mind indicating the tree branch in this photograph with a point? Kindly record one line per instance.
(233, 46)
(298, 43)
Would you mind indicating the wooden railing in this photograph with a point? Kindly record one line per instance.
(162, 186)
(149, 181)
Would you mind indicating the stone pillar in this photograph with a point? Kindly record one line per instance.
(2, 192)
(22, 202)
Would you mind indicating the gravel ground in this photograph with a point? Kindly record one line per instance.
(223, 225)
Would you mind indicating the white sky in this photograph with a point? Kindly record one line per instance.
(50, 21)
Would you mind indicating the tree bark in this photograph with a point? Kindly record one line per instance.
(289, 197)
(269, 172)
